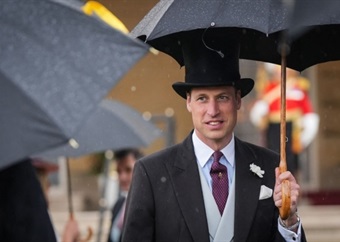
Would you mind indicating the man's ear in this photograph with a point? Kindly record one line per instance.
(188, 100)
(238, 99)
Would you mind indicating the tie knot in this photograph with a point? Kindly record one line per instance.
(216, 165)
(217, 156)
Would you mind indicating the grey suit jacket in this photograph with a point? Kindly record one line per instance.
(165, 201)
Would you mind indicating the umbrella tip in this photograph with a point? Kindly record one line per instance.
(153, 51)
(73, 143)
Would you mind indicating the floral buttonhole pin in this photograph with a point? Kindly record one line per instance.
(256, 170)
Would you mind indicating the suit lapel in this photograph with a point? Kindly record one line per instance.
(116, 208)
(186, 181)
(247, 190)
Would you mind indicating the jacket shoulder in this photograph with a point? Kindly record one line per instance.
(162, 157)
(259, 152)
(171, 153)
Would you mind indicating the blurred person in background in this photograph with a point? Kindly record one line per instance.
(125, 160)
(23, 207)
(301, 120)
(43, 169)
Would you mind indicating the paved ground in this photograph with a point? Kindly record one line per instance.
(321, 223)
(86, 220)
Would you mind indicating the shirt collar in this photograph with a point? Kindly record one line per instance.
(204, 152)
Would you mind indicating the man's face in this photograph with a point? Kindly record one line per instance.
(214, 113)
(124, 169)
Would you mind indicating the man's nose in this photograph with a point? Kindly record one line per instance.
(122, 176)
(213, 108)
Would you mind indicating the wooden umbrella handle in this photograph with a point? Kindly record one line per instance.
(88, 236)
(70, 203)
(285, 208)
(285, 190)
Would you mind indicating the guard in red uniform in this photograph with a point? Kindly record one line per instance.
(301, 121)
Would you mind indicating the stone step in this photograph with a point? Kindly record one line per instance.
(60, 203)
(321, 223)
(85, 220)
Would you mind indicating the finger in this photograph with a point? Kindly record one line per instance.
(277, 189)
(278, 203)
(277, 197)
(280, 177)
(277, 174)
(287, 175)
(295, 186)
(294, 193)
(294, 196)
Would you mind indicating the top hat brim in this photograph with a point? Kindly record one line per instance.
(245, 85)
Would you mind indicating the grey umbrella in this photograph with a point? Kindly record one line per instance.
(56, 64)
(112, 126)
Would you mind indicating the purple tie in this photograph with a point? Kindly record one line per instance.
(220, 187)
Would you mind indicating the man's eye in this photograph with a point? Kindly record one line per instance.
(201, 99)
(223, 97)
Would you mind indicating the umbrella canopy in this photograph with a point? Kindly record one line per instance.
(313, 33)
(259, 26)
(56, 64)
(172, 16)
(113, 125)
(256, 23)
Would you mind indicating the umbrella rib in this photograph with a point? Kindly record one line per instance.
(150, 23)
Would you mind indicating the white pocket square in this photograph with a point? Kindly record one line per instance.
(265, 192)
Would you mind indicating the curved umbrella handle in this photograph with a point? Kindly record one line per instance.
(88, 236)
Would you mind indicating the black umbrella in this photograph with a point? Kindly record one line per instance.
(56, 64)
(313, 34)
(256, 23)
(259, 25)
(261, 29)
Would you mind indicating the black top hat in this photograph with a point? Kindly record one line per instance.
(211, 60)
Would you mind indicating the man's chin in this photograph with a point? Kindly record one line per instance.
(216, 135)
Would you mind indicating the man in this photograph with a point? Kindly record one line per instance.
(126, 159)
(213, 186)
(43, 169)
